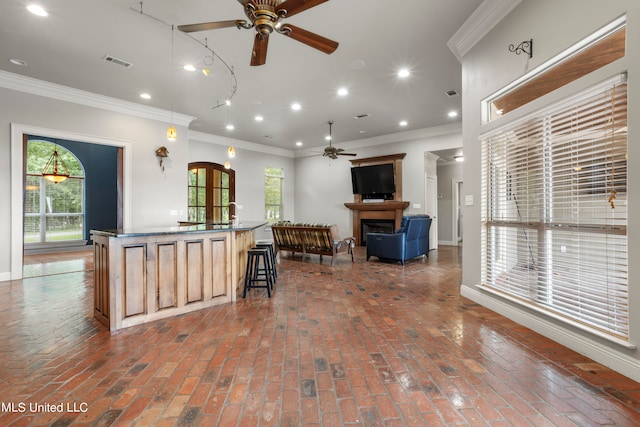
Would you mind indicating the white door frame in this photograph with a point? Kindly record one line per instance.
(431, 207)
(17, 182)
(457, 208)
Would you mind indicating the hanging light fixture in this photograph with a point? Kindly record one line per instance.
(172, 133)
(59, 171)
(231, 152)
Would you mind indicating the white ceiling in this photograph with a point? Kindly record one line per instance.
(68, 47)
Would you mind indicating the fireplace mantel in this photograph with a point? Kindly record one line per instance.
(389, 209)
(381, 206)
(384, 210)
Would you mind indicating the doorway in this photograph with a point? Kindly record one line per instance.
(19, 135)
(458, 211)
(431, 209)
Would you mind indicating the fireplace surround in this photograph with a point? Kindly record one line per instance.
(388, 210)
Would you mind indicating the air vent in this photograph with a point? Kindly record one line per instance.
(361, 116)
(451, 93)
(117, 61)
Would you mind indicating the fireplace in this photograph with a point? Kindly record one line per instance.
(379, 212)
(375, 226)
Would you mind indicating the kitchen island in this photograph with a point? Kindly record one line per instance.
(146, 274)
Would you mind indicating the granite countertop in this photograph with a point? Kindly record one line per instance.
(179, 229)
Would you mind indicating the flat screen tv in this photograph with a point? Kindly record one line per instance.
(374, 182)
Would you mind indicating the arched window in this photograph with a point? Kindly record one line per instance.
(211, 190)
(52, 212)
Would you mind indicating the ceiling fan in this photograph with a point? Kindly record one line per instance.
(333, 152)
(266, 16)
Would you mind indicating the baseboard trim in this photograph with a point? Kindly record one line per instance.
(599, 351)
(5, 276)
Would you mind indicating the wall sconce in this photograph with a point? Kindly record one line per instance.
(526, 47)
(55, 175)
(231, 152)
(227, 165)
(161, 153)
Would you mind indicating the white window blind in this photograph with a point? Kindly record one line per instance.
(555, 209)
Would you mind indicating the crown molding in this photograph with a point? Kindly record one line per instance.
(64, 93)
(239, 143)
(481, 21)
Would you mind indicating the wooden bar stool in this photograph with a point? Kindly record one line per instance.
(253, 275)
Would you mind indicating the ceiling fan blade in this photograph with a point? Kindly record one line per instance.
(347, 154)
(190, 28)
(259, 53)
(296, 6)
(314, 40)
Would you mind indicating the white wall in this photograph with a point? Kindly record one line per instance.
(324, 185)
(489, 66)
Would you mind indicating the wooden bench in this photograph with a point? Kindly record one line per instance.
(319, 239)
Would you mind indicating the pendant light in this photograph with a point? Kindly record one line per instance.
(59, 171)
(172, 133)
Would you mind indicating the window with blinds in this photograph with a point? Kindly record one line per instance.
(555, 210)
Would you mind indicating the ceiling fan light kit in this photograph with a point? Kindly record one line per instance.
(265, 17)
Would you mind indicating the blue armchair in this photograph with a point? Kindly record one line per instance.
(409, 241)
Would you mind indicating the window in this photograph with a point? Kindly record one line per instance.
(273, 181)
(211, 191)
(52, 212)
(601, 48)
(555, 210)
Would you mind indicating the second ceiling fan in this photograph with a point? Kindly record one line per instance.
(331, 151)
(266, 16)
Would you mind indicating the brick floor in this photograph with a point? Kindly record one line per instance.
(370, 344)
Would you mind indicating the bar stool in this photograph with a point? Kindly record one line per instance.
(272, 257)
(253, 275)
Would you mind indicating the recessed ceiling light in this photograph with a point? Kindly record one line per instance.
(19, 62)
(343, 91)
(258, 118)
(227, 101)
(230, 127)
(37, 10)
(296, 106)
(453, 114)
(327, 138)
(403, 123)
(145, 96)
(299, 143)
(189, 67)
(403, 72)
